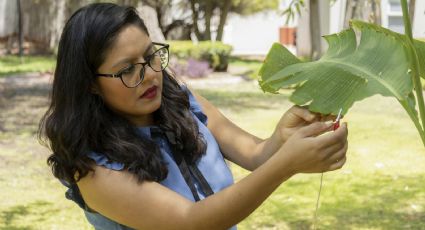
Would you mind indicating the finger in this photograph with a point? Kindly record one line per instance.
(338, 165)
(331, 138)
(335, 147)
(303, 113)
(315, 129)
(338, 154)
(329, 118)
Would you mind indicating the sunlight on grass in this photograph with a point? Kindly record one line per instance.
(382, 186)
(249, 68)
(11, 65)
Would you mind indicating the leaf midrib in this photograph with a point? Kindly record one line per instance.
(381, 81)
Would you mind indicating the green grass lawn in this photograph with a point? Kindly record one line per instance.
(245, 67)
(11, 65)
(382, 186)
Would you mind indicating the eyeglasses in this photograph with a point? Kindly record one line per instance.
(134, 74)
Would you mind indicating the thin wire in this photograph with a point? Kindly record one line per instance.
(317, 203)
(321, 177)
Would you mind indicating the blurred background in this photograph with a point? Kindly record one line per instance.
(217, 47)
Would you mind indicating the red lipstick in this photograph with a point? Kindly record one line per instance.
(150, 93)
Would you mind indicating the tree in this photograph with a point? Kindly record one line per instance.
(172, 16)
(316, 50)
(20, 30)
(205, 17)
(367, 10)
(204, 12)
(376, 12)
(314, 23)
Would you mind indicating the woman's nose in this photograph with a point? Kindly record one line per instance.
(149, 74)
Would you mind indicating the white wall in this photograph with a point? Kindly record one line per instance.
(418, 27)
(419, 20)
(8, 16)
(336, 20)
(254, 34)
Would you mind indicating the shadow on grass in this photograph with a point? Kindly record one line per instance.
(26, 91)
(384, 203)
(242, 100)
(371, 202)
(14, 217)
(22, 105)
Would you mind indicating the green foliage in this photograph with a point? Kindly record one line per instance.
(217, 54)
(349, 71)
(10, 65)
(247, 7)
(293, 7)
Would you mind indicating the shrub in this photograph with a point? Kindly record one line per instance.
(191, 68)
(215, 53)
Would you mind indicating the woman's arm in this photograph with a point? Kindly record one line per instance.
(245, 149)
(149, 205)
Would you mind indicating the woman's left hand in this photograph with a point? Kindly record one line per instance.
(295, 118)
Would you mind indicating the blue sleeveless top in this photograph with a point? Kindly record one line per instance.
(211, 164)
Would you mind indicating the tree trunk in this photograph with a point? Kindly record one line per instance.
(376, 11)
(223, 18)
(148, 14)
(412, 4)
(350, 12)
(58, 23)
(316, 50)
(20, 29)
(198, 34)
(208, 15)
(159, 17)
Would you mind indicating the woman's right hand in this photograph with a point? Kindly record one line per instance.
(307, 151)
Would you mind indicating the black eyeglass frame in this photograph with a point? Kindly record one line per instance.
(142, 70)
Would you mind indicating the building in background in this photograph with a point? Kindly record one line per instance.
(392, 17)
(254, 35)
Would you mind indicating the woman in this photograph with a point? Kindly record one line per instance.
(138, 150)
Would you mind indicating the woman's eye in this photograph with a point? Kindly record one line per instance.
(129, 69)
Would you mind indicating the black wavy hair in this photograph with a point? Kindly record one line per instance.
(77, 121)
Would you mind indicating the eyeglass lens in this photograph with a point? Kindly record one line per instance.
(134, 74)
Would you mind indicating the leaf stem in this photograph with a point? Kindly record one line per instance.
(414, 118)
(415, 67)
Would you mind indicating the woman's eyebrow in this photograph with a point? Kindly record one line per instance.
(129, 59)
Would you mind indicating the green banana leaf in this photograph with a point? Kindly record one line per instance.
(361, 61)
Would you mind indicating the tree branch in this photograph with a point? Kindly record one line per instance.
(195, 19)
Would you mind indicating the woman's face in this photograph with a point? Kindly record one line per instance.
(136, 104)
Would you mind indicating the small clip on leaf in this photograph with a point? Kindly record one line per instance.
(336, 123)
